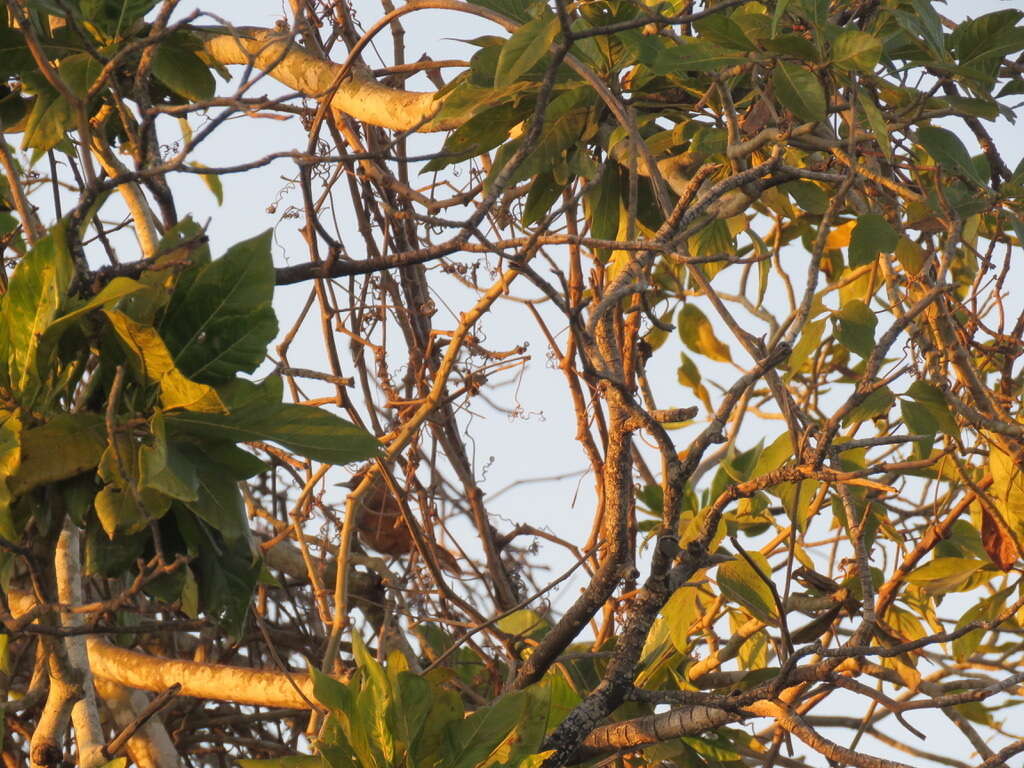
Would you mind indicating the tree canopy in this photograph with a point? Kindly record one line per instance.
(222, 543)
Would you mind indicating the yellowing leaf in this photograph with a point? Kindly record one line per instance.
(697, 333)
(63, 447)
(839, 237)
(152, 356)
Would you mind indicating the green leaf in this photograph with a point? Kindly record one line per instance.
(949, 152)
(740, 583)
(856, 50)
(932, 399)
(151, 357)
(808, 195)
(810, 339)
(872, 235)
(777, 453)
(117, 511)
(481, 133)
(876, 121)
(698, 334)
(51, 117)
(524, 623)
(799, 91)
(472, 740)
(311, 432)
(918, 418)
(690, 55)
(602, 204)
(855, 327)
(212, 182)
(295, 761)
(984, 610)
(780, 8)
(875, 404)
(34, 296)
(220, 322)
(330, 692)
(164, 468)
(680, 612)
(80, 72)
(10, 459)
(945, 574)
(14, 54)
(177, 66)
(525, 48)
(63, 447)
(721, 29)
(218, 500)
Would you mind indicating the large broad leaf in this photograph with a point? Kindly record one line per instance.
(808, 344)
(150, 355)
(311, 432)
(874, 405)
(949, 152)
(50, 117)
(689, 55)
(872, 235)
(218, 501)
(931, 398)
(740, 582)
(164, 468)
(176, 65)
(855, 327)
(854, 49)
(876, 121)
(698, 334)
(475, 739)
(10, 458)
(945, 574)
(1007, 488)
(799, 91)
(14, 54)
(220, 321)
(33, 299)
(63, 447)
(525, 48)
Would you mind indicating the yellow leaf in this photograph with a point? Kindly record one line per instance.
(840, 236)
(153, 357)
(697, 333)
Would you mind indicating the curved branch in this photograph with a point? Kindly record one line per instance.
(360, 96)
(219, 682)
